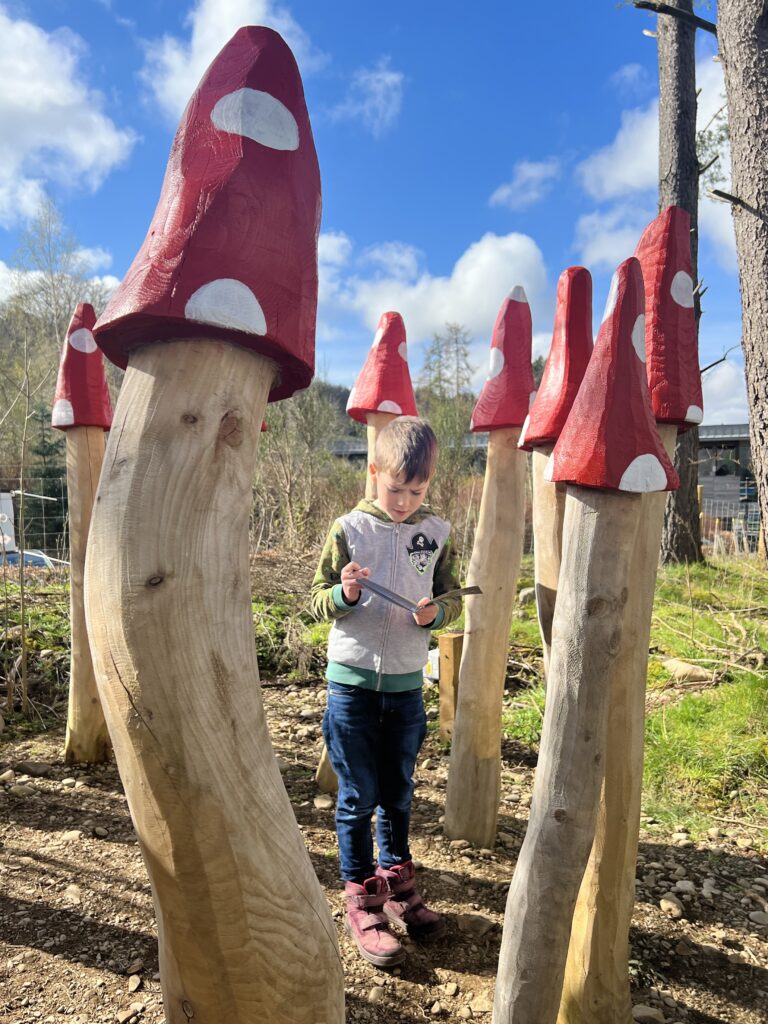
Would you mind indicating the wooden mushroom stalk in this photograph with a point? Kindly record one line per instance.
(82, 408)
(474, 776)
(608, 454)
(215, 316)
(596, 984)
(566, 364)
(383, 388)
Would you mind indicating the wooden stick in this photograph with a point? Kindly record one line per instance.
(450, 646)
(596, 982)
(87, 739)
(244, 930)
(598, 538)
(548, 511)
(474, 776)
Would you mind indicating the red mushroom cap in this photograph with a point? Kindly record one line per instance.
(231, 252)
(506, 395)
(384, 383)
(82, 396)
(567, 360)
(671, 336)
(610, 439)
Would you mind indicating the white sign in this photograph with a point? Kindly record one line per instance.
(7, 536)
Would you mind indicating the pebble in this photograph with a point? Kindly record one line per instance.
(449, 880)
(134, 983)
(123, 1016)
(38, 769)
(8, 777)
(647, 1014)
(685, 886)
(436, 1009)
(72, 835)
(744, 843)
(101, 832)
(458, 844)
(526, 596)
(482, 1004)
(376, 995)
(22, 791)
(451, 988)
(68, 783)
(474, 924)
(671, 906)
(72, 894)
(758, 917)
(465, 1013)
(324, 802)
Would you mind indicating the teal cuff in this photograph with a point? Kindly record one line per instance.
(337, 596)
(370, 679)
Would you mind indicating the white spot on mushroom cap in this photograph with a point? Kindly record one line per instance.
(258, 116)
(518, 294)
(694, 414)
(472, 423)
(549, 469)
(402, 350)
(83, 340)
(389, 406)
(613, 294)
(496, 363)
(351, 400)
(228, 303)
(521, 439)
(644, 473)
(377, 337)
(681, 289)
(638, 337)
(63, 414)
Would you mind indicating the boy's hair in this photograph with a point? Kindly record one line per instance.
(407, 446)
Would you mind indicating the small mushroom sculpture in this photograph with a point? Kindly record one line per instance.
(474, 776)
(608, 454)
(383, 388)
(596, 984)
(83, 409)
(215, 316)
(566, 364)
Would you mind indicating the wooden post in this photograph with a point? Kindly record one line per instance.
(87, 739)
(598, 536)
(326, 779)
(450, 646)
(376, 421)
(474, 776)
(548, 511)
(244, 930)
(596, 982)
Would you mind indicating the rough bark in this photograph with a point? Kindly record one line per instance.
(548, 510)
(598, 538)
(596, 983)
(743, 36)
(87, 739)
(679, 185)
(244, 932)
(474, 776)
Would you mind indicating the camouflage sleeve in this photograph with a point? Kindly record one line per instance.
(327, 600)
(446, 578)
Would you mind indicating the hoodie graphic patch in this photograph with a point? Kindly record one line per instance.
(421, 552)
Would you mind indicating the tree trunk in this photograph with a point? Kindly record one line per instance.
(596, 984)
(598, 539)
(548, 510)
(743, 36)
(245, 934)
(376, 422)
(474, 776)
(87, 739)
(679, 185)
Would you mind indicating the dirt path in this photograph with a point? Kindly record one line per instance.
(77, 936)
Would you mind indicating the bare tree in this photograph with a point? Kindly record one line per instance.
(743, 36)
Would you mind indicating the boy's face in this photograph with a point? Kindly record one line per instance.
(397, 497)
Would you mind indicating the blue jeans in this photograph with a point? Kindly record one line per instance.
(373, 739)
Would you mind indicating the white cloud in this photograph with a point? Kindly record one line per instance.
(174, 66)
(374, 97)
(725, 394)
(529, 183)
(631, 78)
(334, 248)
(606, 237)
(396, 260)
(628, 164)
(52, 125)
(716, 224)
(94, 258)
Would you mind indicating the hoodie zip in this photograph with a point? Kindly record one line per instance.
(388, 620)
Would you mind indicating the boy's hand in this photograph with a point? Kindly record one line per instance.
(349, 574)
(428, 615)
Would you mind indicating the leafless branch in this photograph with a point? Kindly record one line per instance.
(675, 12)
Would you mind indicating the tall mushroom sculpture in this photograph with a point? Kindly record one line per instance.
(565, 367)
(215, 316)
(474, 775)
(608, 454)
(82, 408)
(383, 388)
(596, 984)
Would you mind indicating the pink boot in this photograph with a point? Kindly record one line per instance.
(405, 907)
(367, 924)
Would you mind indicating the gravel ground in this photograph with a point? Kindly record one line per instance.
(77, 934)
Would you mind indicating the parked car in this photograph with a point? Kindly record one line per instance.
(36, 558)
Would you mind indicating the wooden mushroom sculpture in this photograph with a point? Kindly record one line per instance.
(383, 388)
(82, 408)
(566, 364)
(608, 454)
(215, 315)
(474, 776)
(596, 984)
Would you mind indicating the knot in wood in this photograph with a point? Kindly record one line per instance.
(560, 814)
(189, 417)
(186, 1006)
(155, 581)
(231, 430)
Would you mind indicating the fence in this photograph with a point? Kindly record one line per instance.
(729, 528)
(46, 518)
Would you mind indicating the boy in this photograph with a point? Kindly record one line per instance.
(375, 722)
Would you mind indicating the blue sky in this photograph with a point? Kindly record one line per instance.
(463, 150)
